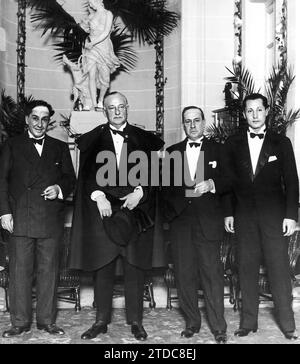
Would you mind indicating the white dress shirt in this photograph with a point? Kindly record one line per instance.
(255, 145)
(192, 155)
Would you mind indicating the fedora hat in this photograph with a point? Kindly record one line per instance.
(121, 227)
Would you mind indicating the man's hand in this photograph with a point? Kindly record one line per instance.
(204, 187)
(51, 192)
(104, 206)
(131, 200)
(288, 227)
(229, 224)
(7, 222)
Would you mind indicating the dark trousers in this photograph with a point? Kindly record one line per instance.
(25, 254)
(133, 287)
(254, 243)
(194, 256)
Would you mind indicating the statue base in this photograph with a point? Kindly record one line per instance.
(82, 122)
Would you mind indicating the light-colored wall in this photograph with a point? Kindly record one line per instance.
(207, 48)
(8, 57)
(294, 60)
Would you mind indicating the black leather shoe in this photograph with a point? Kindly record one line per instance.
(243, 332)
(291, 335)
(220, 337)
(16, 331)
(94, 331)
(138, 332)
(189, 331)
(51, 329)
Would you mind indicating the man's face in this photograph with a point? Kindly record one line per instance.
(193, 124)
(38, 121)
(255, 114)
(116, 110)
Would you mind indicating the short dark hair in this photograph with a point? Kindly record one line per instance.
(255, 96)
(35, 103)
(189, 108)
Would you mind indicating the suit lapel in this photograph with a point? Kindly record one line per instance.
(264, 154)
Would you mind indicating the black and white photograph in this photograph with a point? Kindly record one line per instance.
(149, 174)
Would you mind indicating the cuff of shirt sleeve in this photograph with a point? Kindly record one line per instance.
(213, 187)
(60, 194)
(96, 194)
(139, 190)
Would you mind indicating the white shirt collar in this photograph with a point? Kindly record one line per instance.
(121, 128)
(263, 130)
(33, 137)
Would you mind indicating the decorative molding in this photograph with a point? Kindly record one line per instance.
(238, 28)
(281, 33)
(21, 49)
(160, 83)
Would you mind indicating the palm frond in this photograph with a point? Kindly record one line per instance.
(243, 79)
(221, 132)
(143, 18)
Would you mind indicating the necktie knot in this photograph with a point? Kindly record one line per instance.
(196, 145)
(37, 141)
(260, 136)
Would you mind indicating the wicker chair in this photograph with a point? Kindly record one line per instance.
(227, 256)
(68, 289)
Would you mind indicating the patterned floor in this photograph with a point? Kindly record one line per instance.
(163, 327)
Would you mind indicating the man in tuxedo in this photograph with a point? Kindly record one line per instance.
(112, 217)
(192, 207)
(36, 175)
(262, 211)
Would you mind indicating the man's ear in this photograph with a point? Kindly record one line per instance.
(267, 110)
(26, 120)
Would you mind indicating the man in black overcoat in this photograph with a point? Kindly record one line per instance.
(262, 211)
(192, 207)
(112, 217)
(36, 175)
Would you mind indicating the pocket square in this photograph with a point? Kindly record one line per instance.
(272, 158)
(213, 164)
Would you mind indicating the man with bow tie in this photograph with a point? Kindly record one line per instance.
(106, 215)
(36, 175)
(262, 211)
(192, 207)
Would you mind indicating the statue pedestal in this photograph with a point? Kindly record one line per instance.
(83, 121)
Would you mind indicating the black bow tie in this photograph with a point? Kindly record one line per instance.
(260, 136)
(37, 141)
(122, 133)
(196, 145)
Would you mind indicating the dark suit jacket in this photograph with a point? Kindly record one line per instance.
(23, 177)
(271, 192)
(207, 208)
(91, 248)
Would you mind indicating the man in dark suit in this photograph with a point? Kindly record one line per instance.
(262, 211)
(193, 209)
(110, 214)
(36, 175)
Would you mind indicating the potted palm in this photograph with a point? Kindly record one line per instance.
(277, 86)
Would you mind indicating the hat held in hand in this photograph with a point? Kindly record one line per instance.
(121, 227)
